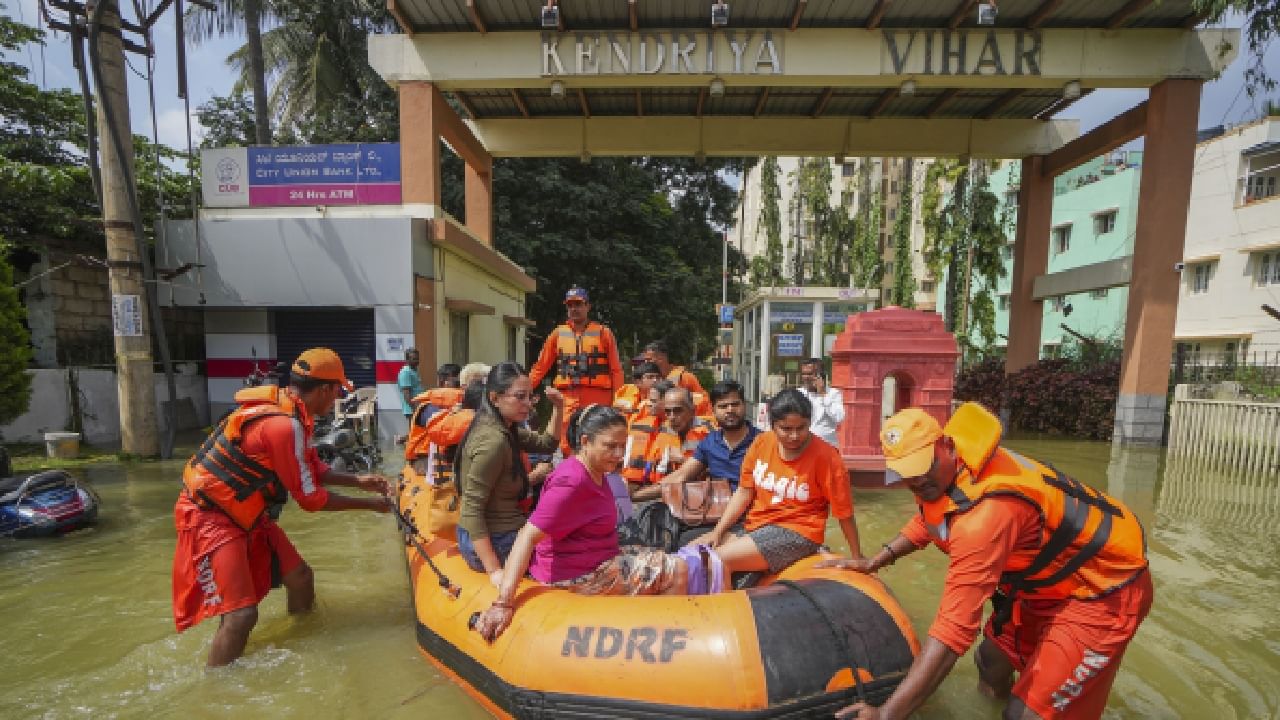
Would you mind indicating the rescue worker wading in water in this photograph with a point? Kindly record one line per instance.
(230, 552)
(1064, 565)
(584, 356)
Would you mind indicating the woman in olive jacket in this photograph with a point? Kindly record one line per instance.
(493, 479)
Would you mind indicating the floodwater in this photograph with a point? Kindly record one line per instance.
(87, 630)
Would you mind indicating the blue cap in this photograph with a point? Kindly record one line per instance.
(576, 294)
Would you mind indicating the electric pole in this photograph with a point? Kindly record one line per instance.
(135, 376)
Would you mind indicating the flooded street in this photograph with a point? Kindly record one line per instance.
(88, 630)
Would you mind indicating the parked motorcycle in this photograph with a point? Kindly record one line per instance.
(347, 440)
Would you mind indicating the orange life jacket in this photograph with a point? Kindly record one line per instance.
(701, 403)
(641, 430)
(581, 360)
(221, 475)
(433, 400)
(1091, 544)
(667, 445)
(444, 431)
(626, 399)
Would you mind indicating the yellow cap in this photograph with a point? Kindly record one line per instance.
(322, 364)
(907, 439)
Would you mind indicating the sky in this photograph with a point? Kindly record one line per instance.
(1223, 100)
(207, 72)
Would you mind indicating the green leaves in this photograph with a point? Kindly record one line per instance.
(46, 195)
(766, 270)
(636, 233)
(1261, 27)
(903, 292)
(15, 348)
(315, 55)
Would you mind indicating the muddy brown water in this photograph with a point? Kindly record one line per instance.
(87, 630)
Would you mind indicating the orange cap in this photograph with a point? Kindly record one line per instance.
(322, 364)
(907, 439)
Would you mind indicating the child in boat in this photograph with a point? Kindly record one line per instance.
(791, 479)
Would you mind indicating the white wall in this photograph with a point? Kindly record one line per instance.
(1216, 226)
(50, 408)
(294, 261)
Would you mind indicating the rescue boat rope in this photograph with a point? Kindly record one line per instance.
(411, 536)
(838, 636)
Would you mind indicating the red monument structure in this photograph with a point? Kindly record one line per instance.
(911, 346)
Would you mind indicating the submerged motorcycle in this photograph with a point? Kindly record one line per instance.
(47, 503)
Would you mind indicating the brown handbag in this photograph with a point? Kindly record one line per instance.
(698, 502)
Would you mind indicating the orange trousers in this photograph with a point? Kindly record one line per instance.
(579, 397)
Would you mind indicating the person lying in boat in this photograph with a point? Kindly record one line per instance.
(790, 481)
(570, 540)
(493, 478)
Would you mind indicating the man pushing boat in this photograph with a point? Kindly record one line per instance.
(1064, 565)
(230, 551)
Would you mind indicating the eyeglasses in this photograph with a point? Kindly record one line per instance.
(677, 410)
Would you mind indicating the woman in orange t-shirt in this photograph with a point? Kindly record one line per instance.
(791, 479)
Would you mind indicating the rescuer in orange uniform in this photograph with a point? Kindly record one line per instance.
(1064, 565)
(585, 358)
(658, 353)
(230, 551)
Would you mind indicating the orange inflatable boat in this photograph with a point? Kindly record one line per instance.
(799, 644)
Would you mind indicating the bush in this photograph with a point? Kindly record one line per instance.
(982, 383)
(15, 348)
(1055, 396)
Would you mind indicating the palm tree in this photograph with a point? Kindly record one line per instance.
(316, 59)
(233, 17)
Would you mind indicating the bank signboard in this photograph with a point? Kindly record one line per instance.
(348, 174)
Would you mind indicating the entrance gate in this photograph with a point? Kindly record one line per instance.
(789, 77)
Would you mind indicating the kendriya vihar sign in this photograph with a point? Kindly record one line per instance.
(752, 52)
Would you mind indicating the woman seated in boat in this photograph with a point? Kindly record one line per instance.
(571, 539)
(492, 477)
(790, 481)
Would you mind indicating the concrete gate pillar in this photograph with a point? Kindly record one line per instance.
(1163, 197)
(1030, 259)
(425, 119)
(915, 348)
(420, 105)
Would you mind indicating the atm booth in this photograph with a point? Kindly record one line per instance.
(777, 327)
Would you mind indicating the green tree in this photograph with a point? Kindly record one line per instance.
(966, 236)
(866, 267)
(15, 348)
(766, 269)
(903, 292)
(828, 226)
(1261, 26)
(228, 122)
(322, 86)
(233, 17)
(639, 234)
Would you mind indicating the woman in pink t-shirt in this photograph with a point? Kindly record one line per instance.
(571, 539)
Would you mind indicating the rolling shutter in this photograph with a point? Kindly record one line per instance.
(350, 333)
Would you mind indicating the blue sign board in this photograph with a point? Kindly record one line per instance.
(790, 345)
(346, 174)
(726, 314)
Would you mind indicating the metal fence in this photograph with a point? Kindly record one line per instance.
(1258, 373)
(1235, 435)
